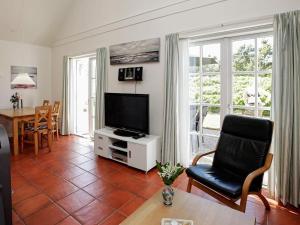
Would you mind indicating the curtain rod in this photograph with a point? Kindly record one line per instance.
(82, 54)
(265, 22)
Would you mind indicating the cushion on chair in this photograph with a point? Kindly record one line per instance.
(31, 128)
(242, 148)
(217, 179)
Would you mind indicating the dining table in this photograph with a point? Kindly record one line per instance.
(15, 116)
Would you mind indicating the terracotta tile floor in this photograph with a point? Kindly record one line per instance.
(72, 186)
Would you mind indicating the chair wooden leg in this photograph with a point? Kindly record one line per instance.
(22, 137)
(57, 134)
(41, 140)
(264, 200)
(36, 143)
(189, 187)
(49, 140)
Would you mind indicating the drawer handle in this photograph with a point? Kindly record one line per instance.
(129, 154)
(100, 148)
(100, 137)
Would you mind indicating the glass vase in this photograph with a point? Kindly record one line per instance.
(167, 194)
(14, 105)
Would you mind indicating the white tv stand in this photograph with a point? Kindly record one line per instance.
(140, 153)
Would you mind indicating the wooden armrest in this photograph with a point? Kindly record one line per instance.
(199, 156)
(257, 172)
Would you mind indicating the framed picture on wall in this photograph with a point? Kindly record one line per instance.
(135, 52)
(30, 70)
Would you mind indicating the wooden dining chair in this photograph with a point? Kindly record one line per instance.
(46, 102)
(55, 119)
(41, 125)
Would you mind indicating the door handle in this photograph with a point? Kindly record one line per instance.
(129, 154)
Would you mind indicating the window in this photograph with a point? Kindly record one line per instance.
(251, 76)
(229, 75)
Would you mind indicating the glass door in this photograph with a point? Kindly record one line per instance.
(230, 75)
(252, 76)
(84, 95)
(205, 95)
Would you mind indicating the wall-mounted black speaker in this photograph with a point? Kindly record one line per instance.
(138, 73)
(121, 76)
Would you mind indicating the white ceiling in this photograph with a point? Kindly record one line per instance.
(32, 21)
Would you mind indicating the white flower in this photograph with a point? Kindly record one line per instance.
(168, 171)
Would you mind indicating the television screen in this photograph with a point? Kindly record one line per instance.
(127, 111)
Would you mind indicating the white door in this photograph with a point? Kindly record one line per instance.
(83, 95)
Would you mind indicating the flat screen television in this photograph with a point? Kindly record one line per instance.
(127, 111)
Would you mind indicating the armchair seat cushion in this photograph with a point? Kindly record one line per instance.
(219, 180)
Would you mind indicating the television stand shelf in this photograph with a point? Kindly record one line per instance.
(140, 153)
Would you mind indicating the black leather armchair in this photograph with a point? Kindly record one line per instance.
(5, 180)
(241, 158)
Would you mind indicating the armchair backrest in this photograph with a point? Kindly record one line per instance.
(243, 145)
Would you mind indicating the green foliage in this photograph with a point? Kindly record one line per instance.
(265, 56)
(243, 60)
(168, 173)
(14, 98)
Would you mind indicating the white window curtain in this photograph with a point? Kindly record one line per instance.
(176, 122)
(65, 123)
(183, 99)
(284, 183)
(101, 62)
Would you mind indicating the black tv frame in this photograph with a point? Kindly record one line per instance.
(123, 131)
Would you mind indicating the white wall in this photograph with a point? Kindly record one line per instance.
(19, 54)
(87, 29)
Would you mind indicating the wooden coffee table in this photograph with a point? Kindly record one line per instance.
(187, 206)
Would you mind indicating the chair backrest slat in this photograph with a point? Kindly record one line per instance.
(46, 102)
(43, 116)
(56, 107)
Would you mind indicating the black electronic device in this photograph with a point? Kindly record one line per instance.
(138, 73)
(138, 136)
(130, 74)
(120, 144)
(127, 112)
(121, 76)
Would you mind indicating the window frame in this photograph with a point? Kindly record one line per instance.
(256, 72)
(226, 78)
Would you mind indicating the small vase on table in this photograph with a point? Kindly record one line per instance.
(168, 194)
(168, 173)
